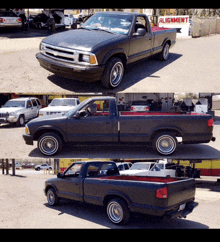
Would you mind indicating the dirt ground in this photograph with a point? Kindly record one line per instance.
(23, 205)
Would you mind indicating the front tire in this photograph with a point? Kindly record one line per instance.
(20, 121)
(52, 197)
(117, 211)
(113, 73)
(165, 143)
(49, 144)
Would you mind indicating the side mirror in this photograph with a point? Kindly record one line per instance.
(77, 115)
(140, 32)
(60, 175)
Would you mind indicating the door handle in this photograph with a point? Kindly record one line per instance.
(108, 122)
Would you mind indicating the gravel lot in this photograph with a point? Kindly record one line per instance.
(193, 66)
(24, 206)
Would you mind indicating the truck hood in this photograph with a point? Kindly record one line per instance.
(80, 39)
(9, 110)
(46, 120)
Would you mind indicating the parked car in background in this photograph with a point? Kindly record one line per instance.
(43, 167)
(9, 19)
(150, 169)
(59, 106)
(20, 110)
(122, 166)
(142, 106)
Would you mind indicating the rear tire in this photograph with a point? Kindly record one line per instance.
(50, 144)
(165, 52)
(165, 143)
(118, 211)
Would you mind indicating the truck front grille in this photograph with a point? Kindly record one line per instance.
(51, 113)
(60, 53)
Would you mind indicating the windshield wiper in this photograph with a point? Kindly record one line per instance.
(104, 30)
(85, 28)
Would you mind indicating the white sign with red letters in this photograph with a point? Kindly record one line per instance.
(181, 23)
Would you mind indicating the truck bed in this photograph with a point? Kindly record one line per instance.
(140, 192)
(140, 178)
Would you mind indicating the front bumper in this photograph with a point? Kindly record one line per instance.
(28, 139)
(10, 119)
(79, 72)
(10, 25)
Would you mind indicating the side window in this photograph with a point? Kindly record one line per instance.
(141, 23)
(101, 169)
(29, 104)
(34, 102)
(126, 167)
(96, 108)
(38, 102)
(120, 167)
(74, 170)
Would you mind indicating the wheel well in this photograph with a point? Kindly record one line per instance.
(48, 187)
(173, 131)
(167, 41)
(110, 197)
(42, 131)
(122, 56)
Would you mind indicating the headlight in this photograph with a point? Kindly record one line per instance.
(27, 130)
(42, 47)
(91, 59)
(12, 114)
(86, 58)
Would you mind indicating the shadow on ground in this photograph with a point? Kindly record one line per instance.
(134, 73)
(97, 214)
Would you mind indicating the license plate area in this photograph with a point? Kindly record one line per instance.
(182, 207)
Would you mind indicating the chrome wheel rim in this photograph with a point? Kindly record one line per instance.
(166, 51)
(115, 212)
(116, 74)
(48, 145)
(166, 144)
(50, 197)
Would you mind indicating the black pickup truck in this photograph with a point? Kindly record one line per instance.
(97, 120)
(102, 47)
(99, 183)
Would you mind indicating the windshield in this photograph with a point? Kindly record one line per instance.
(72, 111)
(140, 166)
(63, 102)
(119, 24)
(15, 104)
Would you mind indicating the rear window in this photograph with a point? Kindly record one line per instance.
(101, 169)
(7, 14)
(140, 103)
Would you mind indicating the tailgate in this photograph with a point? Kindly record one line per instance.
(180, 191)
